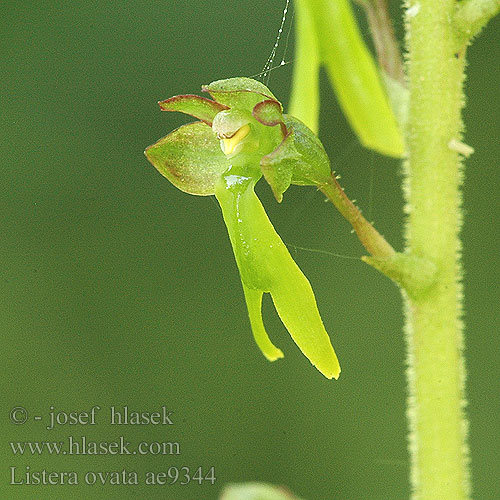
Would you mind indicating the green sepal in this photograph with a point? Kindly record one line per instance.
(256, 491)
(190, 157)
(265, 265)
(243, 93)
(200, 107)
(299, 159)
(314, 169)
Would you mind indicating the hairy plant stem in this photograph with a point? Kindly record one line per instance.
(436, 374)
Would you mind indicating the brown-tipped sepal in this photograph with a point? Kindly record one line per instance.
(200, 107)
(190, 158)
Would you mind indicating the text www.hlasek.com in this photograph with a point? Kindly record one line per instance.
(82, 446)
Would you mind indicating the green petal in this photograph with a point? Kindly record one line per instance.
(190, 158)
(200, 107)
(254, 305)
(265, 265)
(229, 121)
(243, 93)
(268, 112)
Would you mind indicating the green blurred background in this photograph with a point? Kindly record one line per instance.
(118, 289)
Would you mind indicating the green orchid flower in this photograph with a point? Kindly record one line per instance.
(242, 136)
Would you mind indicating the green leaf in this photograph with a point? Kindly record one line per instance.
(399, 97)
(256, 491)
(265, 265)
(241, 92)
(200, 107)
(190, 158)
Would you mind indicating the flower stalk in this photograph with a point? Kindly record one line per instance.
(370, 238)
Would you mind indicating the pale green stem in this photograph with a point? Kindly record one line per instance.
(473, 15)
(434, 330)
